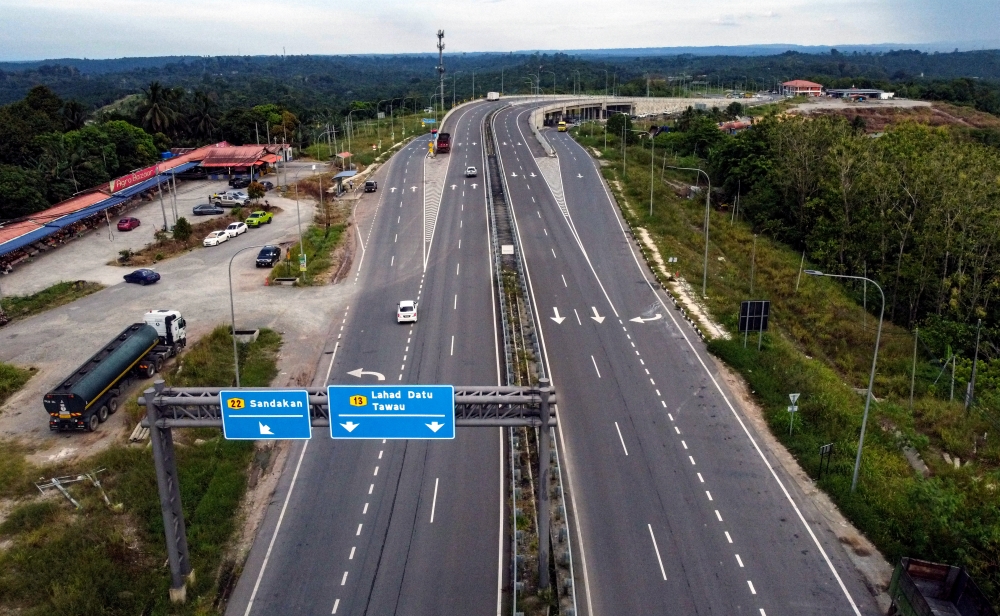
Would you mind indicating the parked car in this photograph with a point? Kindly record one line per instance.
(231, 200)
(268, 256)
(406, 312)
(207, 208)
(267, 185)
(470, 172)
(371, 186)
(128, 223)
(142, 276)
(239, 182)
(215, 238)
(236, 228)
(260, 217)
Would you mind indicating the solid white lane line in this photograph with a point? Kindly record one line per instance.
(281, 516)
(753, 590)
(739, 560)
(620, 438)
(579, 322)
(728, 538)
(564, 281)
(452, 345)
(359, 530)
(332, 359)
(435, 500)
(595, 366)
(336, 604)
(343, 580)
(657, 550)
(351, 557)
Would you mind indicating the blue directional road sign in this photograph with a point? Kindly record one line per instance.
(404, 412)
(265, 414)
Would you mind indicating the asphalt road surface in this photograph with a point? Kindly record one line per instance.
(679, 511)
(399, 527)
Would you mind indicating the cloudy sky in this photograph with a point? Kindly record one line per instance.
(38, 29)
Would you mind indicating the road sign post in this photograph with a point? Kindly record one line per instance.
(792, 410)
(249, 414)
(400, 412)
(754, 317)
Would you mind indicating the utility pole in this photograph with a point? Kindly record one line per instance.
(440, 67)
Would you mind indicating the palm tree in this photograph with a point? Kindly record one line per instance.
(74, 115)
(156, 112)
(202, 120)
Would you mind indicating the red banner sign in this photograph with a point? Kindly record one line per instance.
(132, 179)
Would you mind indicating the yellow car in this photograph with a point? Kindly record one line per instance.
(258, 218)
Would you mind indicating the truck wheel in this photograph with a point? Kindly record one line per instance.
(150, 371)
(159, 363)
(102, 413)
(92, 422)
(113, 405)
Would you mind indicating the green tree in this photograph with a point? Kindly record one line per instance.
(620, 124)
(255, 191)
(22, 192)
(202, 120)
(157, 112)
(182, 230)
(134, 147)
(74, 115)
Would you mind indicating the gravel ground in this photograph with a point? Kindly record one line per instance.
(195, 283)
(824, 103)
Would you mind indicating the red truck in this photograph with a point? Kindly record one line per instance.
(443, 143)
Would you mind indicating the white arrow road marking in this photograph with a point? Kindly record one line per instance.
(453, 186)
(350, 426)
(413, 188)
(435, 426)
(579, 175)
(505, 143)
(642, 320)
(558, 319)
(518, 143)
(596, 316)
(513, 174)
(265, 429)
(474, 143)
(474, 185)
(533, 174)
(393, 189)
(360, 372)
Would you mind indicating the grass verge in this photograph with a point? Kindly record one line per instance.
(23, 306)
(12, 379)
(99, 560)
(321, 240)
(820, 346)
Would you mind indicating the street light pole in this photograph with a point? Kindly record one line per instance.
(704, 275)
(232, 312)
(871, 377)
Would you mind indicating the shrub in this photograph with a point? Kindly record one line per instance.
(256, 190)
(182, 230)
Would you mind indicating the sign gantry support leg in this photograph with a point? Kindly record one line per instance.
(167, 484)
(543, 487)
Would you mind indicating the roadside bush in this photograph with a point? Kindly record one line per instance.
(182, 230)
(124, 255)
(256, 191)
(238, 214)
(12, 379)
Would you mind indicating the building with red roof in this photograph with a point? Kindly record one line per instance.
(799, 87)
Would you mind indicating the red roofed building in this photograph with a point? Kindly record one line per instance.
(799, 87)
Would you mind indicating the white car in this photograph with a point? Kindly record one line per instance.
(406, 312)
(215, 238)
(236, 228)
(470, 172)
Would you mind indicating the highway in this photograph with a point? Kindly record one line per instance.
(678, 509)
(399, 527)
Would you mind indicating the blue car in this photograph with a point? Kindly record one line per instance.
(142, 276)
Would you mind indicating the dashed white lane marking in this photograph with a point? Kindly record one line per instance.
(359, 530)
(728, 538)
(753, 591)
(452, 345)
(365, 510)
(435, 499)
(370, 488)
(718, 515)
(620, 438)
(700, 478)
(554, 253)
(692, 460)
(657, 550)
(458, 268)
(684, 444)
(579, 322)
(564, 281)
(739, 560)
(393, 261)
(376, 471)
(351, 557)
(708, 494)
(455, 307)
(343, 580)
(546, 232)
(336, 604)
(595, 366)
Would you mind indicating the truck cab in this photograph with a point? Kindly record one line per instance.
(169, 325)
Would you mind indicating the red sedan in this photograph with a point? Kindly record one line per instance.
(128, 223)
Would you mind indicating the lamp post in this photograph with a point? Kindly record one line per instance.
(553, 80)
(232, 312)
(378, 134)
(349, 131)
(708, 195)
(871, 377)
